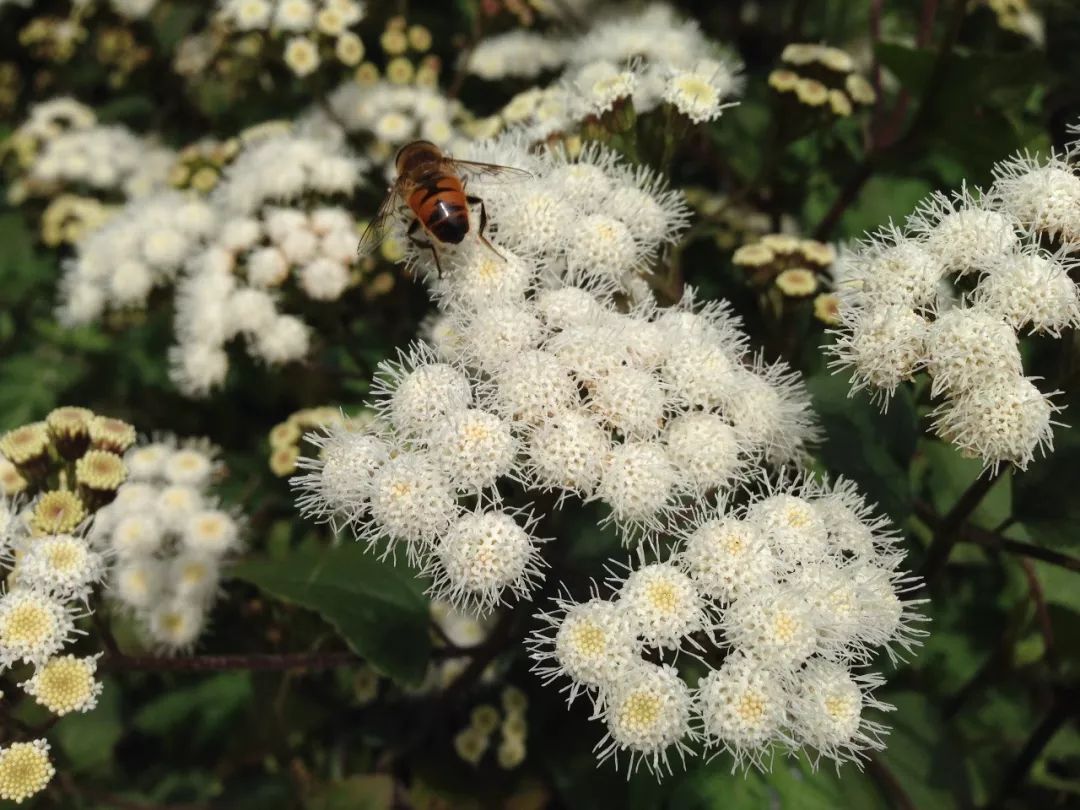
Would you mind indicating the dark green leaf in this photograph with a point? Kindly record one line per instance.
(378, 608)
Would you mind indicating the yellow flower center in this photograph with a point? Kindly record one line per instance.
(590, 638)
(750, 708)
(28, 624)
(663, 596)
(785, 628)
(65, 557)
(640, 711)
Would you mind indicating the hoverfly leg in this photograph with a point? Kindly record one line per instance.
(424, 243)
(483, 224)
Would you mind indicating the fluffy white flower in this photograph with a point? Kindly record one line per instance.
(1043, 195)
(793, 528)
(416, 391)
(594, 645)
(337, 483)
(61, 565)
(481, 555)
(33, 626)
(882, 347)
(699, 94)
(500, 332)
(474, 447)
(826, 711)
(189, 466)
(285, 340)
(631, 401)
(728, 558)
(662, 604)
(1007, 421)
(963, 233)
(600, 247)
(411, 501)
(742, 708)
(137, 583)
(647, 712)
(1032, 290)
(568, 452)
(176, 625)
(970, 348)
(210, 532)
(638, 484)
(324, 279)
(774, 625)
(705, 448)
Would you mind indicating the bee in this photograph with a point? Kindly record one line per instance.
(430, 188)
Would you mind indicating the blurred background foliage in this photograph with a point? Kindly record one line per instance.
(986, 712)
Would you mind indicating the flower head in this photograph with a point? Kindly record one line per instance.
(65, 684)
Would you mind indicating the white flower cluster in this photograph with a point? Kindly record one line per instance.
(168, 538)
(142, 247)
(104, 157)
(72, 151)
(394, 114)
(1011, 250)
(49, 581)
(293, 16)
(234, 288)
(786, 600)
(649, 57)
(133, 9)
(534, 375)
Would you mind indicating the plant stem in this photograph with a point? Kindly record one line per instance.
(948, 530)
(1062, 709)
(996, 542)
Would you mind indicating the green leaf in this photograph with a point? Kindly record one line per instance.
(377, 608)
(87, 740)
(203, 710)
(949, 474)
(714, 785)
(921, 757)
(800, 788)
(870, 447)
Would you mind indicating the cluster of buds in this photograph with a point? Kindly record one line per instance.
(473, 741)
(248, 39)
(285, 436)
(821, 77)
(69, 466)
(73, 460)
(798, 268)
(199, 166)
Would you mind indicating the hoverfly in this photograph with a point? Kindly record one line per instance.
(430, 187)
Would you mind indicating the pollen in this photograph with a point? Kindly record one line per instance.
(28, 625)
(589, 639)
(663, 596)
(785, 627)
(640, 712)
(25, 770)
(751, 708)
(65, 684)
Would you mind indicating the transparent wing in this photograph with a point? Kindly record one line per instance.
(486, 171)
(376, 230)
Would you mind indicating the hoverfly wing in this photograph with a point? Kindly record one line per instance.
(486, 171)
(376, 230)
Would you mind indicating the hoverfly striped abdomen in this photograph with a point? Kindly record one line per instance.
(439, 203)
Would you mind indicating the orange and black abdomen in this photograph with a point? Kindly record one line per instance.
(438, 200)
